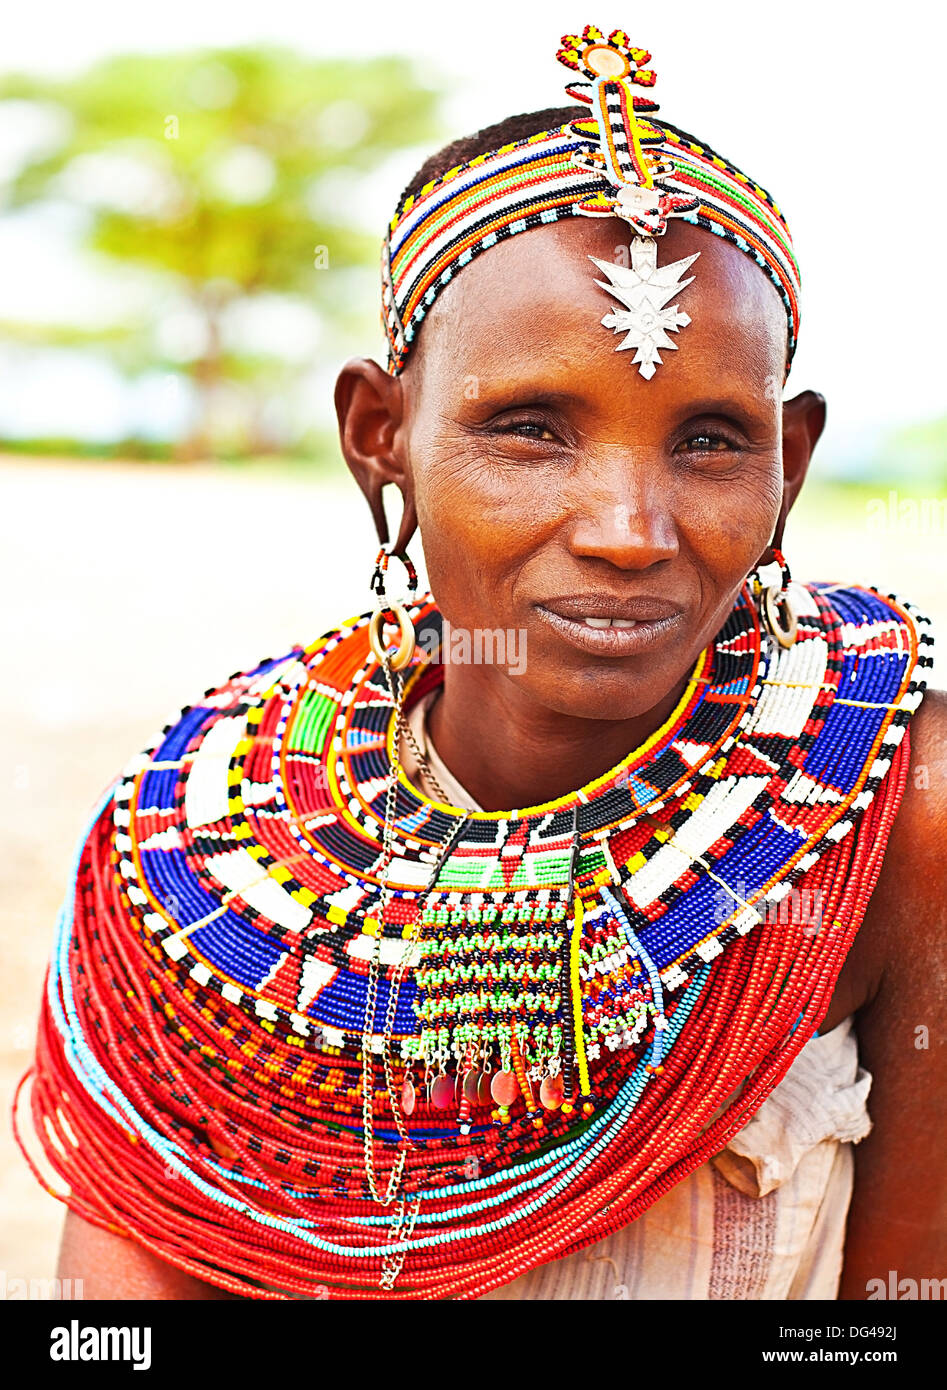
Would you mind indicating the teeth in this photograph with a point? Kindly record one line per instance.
(610, 622)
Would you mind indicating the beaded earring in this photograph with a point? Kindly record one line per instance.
(776, 612)
(389, 609)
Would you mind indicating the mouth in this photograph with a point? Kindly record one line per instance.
(606, 626)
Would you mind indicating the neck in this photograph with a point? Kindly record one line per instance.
(508, 752)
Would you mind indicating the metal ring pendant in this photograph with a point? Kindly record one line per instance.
(406, 646)
(785, 633)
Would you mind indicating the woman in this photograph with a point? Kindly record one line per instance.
(328, 1018)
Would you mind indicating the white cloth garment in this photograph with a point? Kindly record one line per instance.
(763, 1219)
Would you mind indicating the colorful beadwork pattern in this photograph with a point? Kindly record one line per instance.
(569, 171)
(572, 1009)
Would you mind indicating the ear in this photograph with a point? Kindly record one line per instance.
(369, 406)
(803, 423)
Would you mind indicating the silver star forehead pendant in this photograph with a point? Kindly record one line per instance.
(644, 288)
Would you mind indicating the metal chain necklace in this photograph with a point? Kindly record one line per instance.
(402, 725)
(405, 1216)
(396, 685)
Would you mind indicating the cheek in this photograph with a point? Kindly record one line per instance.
(472, 532)
(492, 512)
(727, 524)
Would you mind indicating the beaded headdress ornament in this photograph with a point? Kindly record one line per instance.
(616, 162)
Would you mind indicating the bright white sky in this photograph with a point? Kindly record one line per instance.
(837, 108)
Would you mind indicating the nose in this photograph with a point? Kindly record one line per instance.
(624, 518)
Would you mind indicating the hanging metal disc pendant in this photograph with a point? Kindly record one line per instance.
(442, 1092)
(409, 1098)
(504, 1088)
(551, 1092)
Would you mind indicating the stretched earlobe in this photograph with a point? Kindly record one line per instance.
(369, 408)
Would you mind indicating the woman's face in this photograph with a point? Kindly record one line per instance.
(548, 474)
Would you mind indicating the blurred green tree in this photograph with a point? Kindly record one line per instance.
(232, 171)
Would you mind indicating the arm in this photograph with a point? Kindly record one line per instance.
(111, 1266)
(898, 1216)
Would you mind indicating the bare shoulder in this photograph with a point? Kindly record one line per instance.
(898, 1216)
(924, 808)
(909, 904)
(109, 1266)
(905, 924)
(911, 893)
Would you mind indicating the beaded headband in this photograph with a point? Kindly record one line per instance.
(614, 163)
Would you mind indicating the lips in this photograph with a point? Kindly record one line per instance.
(611, 607)
(607, 625)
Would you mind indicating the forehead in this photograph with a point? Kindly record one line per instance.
(531, 303)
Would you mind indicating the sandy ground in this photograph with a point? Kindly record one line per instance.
(132, 588)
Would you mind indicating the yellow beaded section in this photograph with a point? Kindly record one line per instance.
(584, 792)
(578, 1040)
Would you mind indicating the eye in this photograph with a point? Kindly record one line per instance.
(708, 442)
(537, 430)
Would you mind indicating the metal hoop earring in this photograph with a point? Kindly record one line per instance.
(393, 611)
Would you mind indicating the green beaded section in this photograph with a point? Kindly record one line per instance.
(465, 1003)
(488, 971)
(614, 945)
(495, 942)
(473, 1004)
(535, 1038)
(591, 860)
(314, 714)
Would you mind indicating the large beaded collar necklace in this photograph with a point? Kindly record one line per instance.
(423, 1081)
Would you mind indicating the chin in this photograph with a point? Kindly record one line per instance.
(599, 692)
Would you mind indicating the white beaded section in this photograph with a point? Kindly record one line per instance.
(674, 977)
(315, 975)
(721, 808)
(391, 951)
(207, 791)
(239, 872)
(161, 839)
(793, 681)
